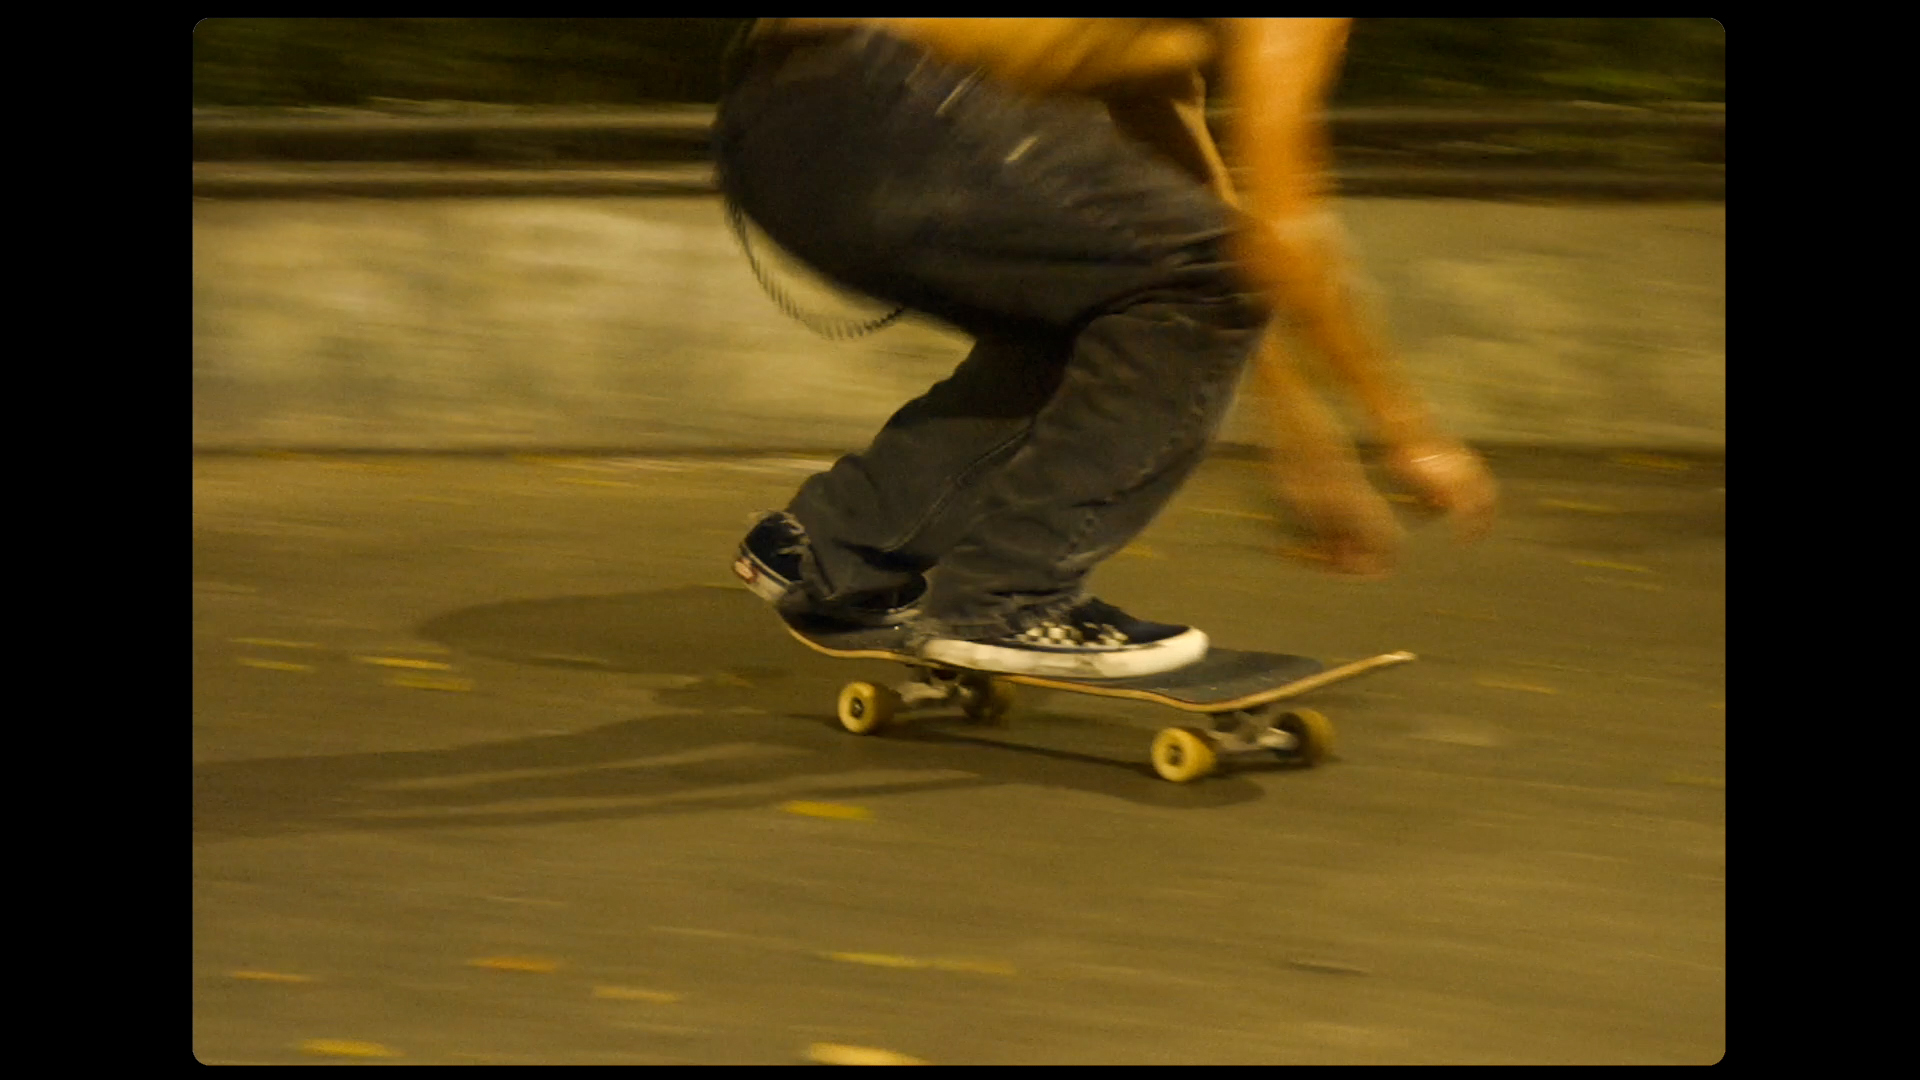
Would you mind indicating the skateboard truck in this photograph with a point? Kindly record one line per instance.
(1180, 754)
(981, 697)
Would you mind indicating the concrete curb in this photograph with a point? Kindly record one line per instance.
(635, 323)
(427, 181)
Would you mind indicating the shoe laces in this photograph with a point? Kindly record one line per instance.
(796, 537)
(1062, 612)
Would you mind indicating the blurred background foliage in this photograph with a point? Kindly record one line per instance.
(363, 62)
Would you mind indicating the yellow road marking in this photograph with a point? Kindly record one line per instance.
(269, 976)
(536, 964)
(877, 960)
(915, 963)
(628, 993)
(838, 1054)
(827, 810)
(347, 1048)
(273, 643)
(1581, 507)
(1603, 564)
(274, 665)
(403, 662)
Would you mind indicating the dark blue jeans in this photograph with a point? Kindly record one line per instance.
(1110, 326)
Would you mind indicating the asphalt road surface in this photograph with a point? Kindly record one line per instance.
(493, 763)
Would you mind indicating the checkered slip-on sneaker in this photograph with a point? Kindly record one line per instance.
(1092, 640)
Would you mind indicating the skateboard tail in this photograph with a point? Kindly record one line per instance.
(1342, 673)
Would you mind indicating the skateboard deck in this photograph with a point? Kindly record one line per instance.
(1238, 691)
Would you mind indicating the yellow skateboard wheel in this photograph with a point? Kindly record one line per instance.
(993, 706)
(1312, 731)
(865, 708)
(1182, 755)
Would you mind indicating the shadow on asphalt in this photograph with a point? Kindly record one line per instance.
(751, 726)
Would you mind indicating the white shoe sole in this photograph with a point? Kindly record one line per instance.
(767, 587)
(764, 586)
(1161, 656)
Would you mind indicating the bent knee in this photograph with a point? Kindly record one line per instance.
(1204, 279)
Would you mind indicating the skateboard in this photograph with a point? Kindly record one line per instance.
(1238, 696)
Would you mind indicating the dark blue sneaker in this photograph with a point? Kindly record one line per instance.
(1091, 640)
(769, 564)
